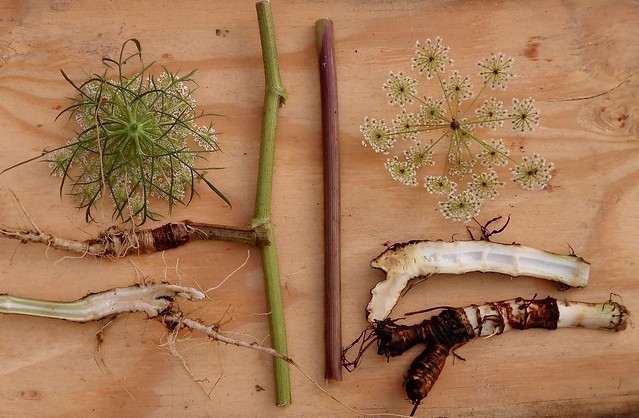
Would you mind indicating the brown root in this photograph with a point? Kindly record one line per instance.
(116, 242)
(443, 333)
(424, 372)
(485, 233)
(365, 340)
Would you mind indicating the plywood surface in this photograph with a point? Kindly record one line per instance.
(578, 59)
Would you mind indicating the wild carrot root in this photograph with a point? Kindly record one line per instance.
(420, 259)
(116, 242)
(153, 299)
(454, 327)
(156, 300)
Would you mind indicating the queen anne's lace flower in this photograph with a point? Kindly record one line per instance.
(401, 171)
(485, 185)
(491, 113)
(494, 154)
(458, 166)
(461, 207)
(533, 172)
(206, 137)
(457, 88)
(400, 89)
(418, 155)
(406, 126)
(440, 185)
(135, 142)
(377, 135)
(495, 70)
(450, 128)
(431, 57)
(431, 112)
(525, 117)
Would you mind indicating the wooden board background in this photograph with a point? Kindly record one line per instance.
(579, 59)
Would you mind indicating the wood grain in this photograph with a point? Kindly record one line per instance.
(578, 59)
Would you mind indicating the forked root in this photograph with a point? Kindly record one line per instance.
(454, 327)
(156, 300)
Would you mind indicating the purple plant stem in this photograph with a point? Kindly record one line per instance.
(332, 287)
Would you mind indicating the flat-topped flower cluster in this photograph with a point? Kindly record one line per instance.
(454, 123)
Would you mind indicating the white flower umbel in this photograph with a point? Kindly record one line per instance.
(420, 259)
(450, 128)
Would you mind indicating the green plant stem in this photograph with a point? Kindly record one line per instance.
(259, 232)
(274, 96)
(256, 236)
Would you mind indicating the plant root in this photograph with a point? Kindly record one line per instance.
(116, 243)
(418, 260)
(454, 327)
(152, 299)
(158, 302)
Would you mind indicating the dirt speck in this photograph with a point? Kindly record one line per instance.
(531, 51)
(30, 394)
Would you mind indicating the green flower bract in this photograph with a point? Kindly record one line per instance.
(135, 141)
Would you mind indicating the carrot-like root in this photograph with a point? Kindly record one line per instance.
(454, 327)
(412, 260)
(115, 242)
(152, 299)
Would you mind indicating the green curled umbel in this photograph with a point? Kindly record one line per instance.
(135, 140)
